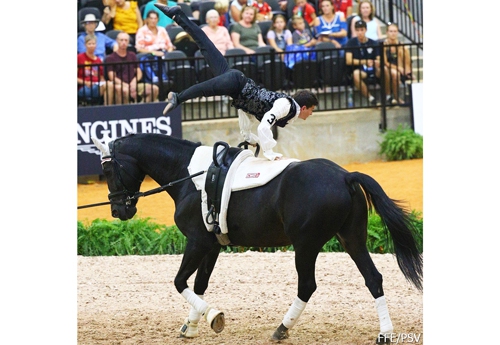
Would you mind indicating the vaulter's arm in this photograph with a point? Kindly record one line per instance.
(280, 109)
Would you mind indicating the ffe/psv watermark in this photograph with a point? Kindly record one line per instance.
(399, 338)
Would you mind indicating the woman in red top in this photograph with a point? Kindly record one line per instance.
(344, 6)
(90, 79)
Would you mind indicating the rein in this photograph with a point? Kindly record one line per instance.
(137, 195)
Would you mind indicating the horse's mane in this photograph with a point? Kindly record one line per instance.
(160, 138)
(141, 142)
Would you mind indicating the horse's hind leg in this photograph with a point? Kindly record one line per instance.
(354, 242)
(199, 307)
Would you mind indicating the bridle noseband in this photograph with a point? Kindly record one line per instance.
(118, 167)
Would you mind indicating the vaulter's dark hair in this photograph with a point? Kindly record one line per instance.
(305, 97)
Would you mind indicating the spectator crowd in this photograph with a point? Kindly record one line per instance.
(119, 34)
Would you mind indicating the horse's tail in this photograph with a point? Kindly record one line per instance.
(397, 221)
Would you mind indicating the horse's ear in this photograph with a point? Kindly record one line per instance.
(103, 148)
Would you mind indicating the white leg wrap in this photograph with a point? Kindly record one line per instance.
(383, 315)
(195, 301)
(194, 315)
(294, 312)
(190, 327)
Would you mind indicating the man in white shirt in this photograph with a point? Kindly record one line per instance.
(251, 100)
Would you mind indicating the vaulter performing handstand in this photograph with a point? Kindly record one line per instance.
(251, 100)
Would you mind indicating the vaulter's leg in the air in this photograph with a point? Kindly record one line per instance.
(225, 82)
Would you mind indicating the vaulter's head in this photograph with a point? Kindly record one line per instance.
(307, 101)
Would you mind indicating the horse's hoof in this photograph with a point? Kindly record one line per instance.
(189, 329)
(280, 333)
(215, 319)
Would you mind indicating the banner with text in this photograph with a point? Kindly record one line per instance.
(117, 121)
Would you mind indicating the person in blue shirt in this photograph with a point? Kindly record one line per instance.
(363, 55)
(332, 24)
(103, 41)
(163, 20)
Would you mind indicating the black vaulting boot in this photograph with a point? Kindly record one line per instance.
(172, 102)
(170, 12)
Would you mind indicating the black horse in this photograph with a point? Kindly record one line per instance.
(306, 205)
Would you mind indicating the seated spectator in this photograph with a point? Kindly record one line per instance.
(397, 60)
(246, 34)
(90, 23)
(283, 5)
(163, 20)
(264, 11)
(344, 6)
(305, 10)
(301, 35)
(152, 38)
(195, 7)
(235, 10)
(363, 54)
(222, 7)
(125, 77)
(126, 17)
(366, 13)
(91, 83)
(219, 35)
(105, 9)
(278, 36)
(331, 24)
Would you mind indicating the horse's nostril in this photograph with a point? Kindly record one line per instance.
(114, 213)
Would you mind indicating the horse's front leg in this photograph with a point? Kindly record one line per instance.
(199, 307)
(305, 265)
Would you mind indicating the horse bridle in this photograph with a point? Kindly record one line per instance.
(129, 196)
(117, 168)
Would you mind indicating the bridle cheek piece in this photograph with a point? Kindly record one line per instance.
(125, 192)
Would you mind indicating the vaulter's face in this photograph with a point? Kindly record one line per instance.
(306, 112)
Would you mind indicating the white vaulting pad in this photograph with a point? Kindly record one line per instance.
(252, 172)
(245, 172)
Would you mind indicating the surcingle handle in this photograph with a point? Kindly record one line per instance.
(211, 213)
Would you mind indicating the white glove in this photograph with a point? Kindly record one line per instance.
(252, 139)
(271, 155)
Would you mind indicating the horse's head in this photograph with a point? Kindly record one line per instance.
(124, 178)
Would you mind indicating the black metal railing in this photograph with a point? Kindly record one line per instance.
(322, 71)
(408, 14)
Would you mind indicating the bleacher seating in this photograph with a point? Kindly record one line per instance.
(330, 65)
(172, 31)
(276, 9)
(179, 70)
(272, 71)
(238, 59)
(265, 25)
(203, 71)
